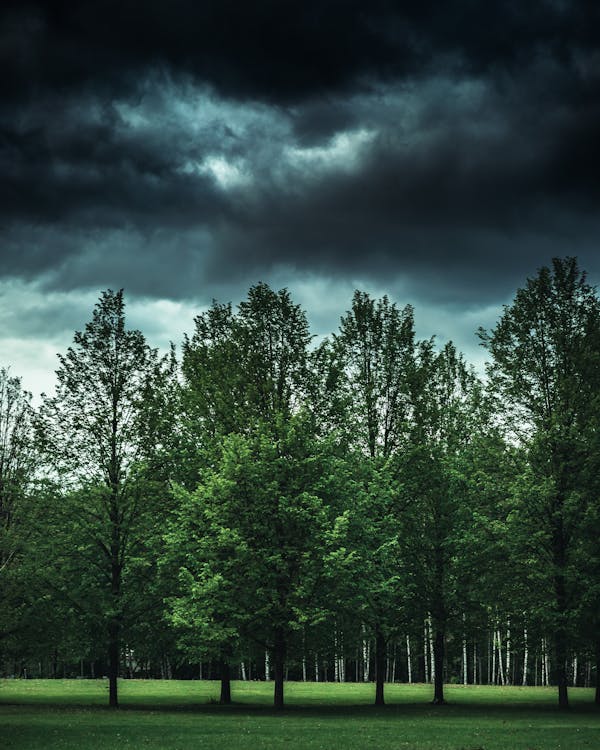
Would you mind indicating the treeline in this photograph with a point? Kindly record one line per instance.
(262, 508)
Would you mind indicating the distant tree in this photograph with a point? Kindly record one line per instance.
(545, 368)
(97, 435)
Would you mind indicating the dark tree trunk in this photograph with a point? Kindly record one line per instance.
(439, 617)
(560, 592)
(438, 660)
(225, 698)
(113, 662)
(597, 695)
(114, 625)
(561, 667)
(279, 657)
(380, 652)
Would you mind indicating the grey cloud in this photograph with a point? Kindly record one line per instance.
(177, 171)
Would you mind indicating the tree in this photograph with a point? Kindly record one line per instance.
(545, 368)
(17, 468)
(96, 434)
(247, 381)
(445, 396)
(252, 540)
(369, 375)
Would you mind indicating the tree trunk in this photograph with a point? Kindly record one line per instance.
(425, 653)
(431, 652)
(561, 670)
(225, 698)
(279, 658)
(525, 656)
(500, 667)
(379, 668)
(597, 695)
(560, 642)
(114, 624)
(438, 656)
(507, 670)
(113, 662)
(365, 656)
(559, 554)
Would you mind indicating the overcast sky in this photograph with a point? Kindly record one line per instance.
(184, 150)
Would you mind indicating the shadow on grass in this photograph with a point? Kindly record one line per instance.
(401, 710)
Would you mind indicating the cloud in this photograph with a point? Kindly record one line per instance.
(440, 153)
(181, 189)
(278, 52)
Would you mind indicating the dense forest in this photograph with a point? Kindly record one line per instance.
(253, 505)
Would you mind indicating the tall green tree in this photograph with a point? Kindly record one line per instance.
(368, 378)
(246, 373)
(97, 434)
(253, 541)
(445, 395)
(545, 369)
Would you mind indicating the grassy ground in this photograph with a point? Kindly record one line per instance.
(179, 715)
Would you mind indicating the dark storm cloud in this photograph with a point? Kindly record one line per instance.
(166, 146)
(475, 183)
(273, 50)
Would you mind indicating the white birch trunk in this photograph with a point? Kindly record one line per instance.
(525, 656)
(316, 668)
(465, 665)
(267, 666)
(546, 663)
(408, 660)
(304, 668)
(500, 668)
(426, 651)
(542, 665)
(336, 661)
(575, 671)
(494, 658)
(243, 668)
(431, 653)
(365, 657)
(508, 680)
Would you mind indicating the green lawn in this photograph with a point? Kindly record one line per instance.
(180, 715)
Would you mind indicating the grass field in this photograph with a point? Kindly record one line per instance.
(173, 715)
